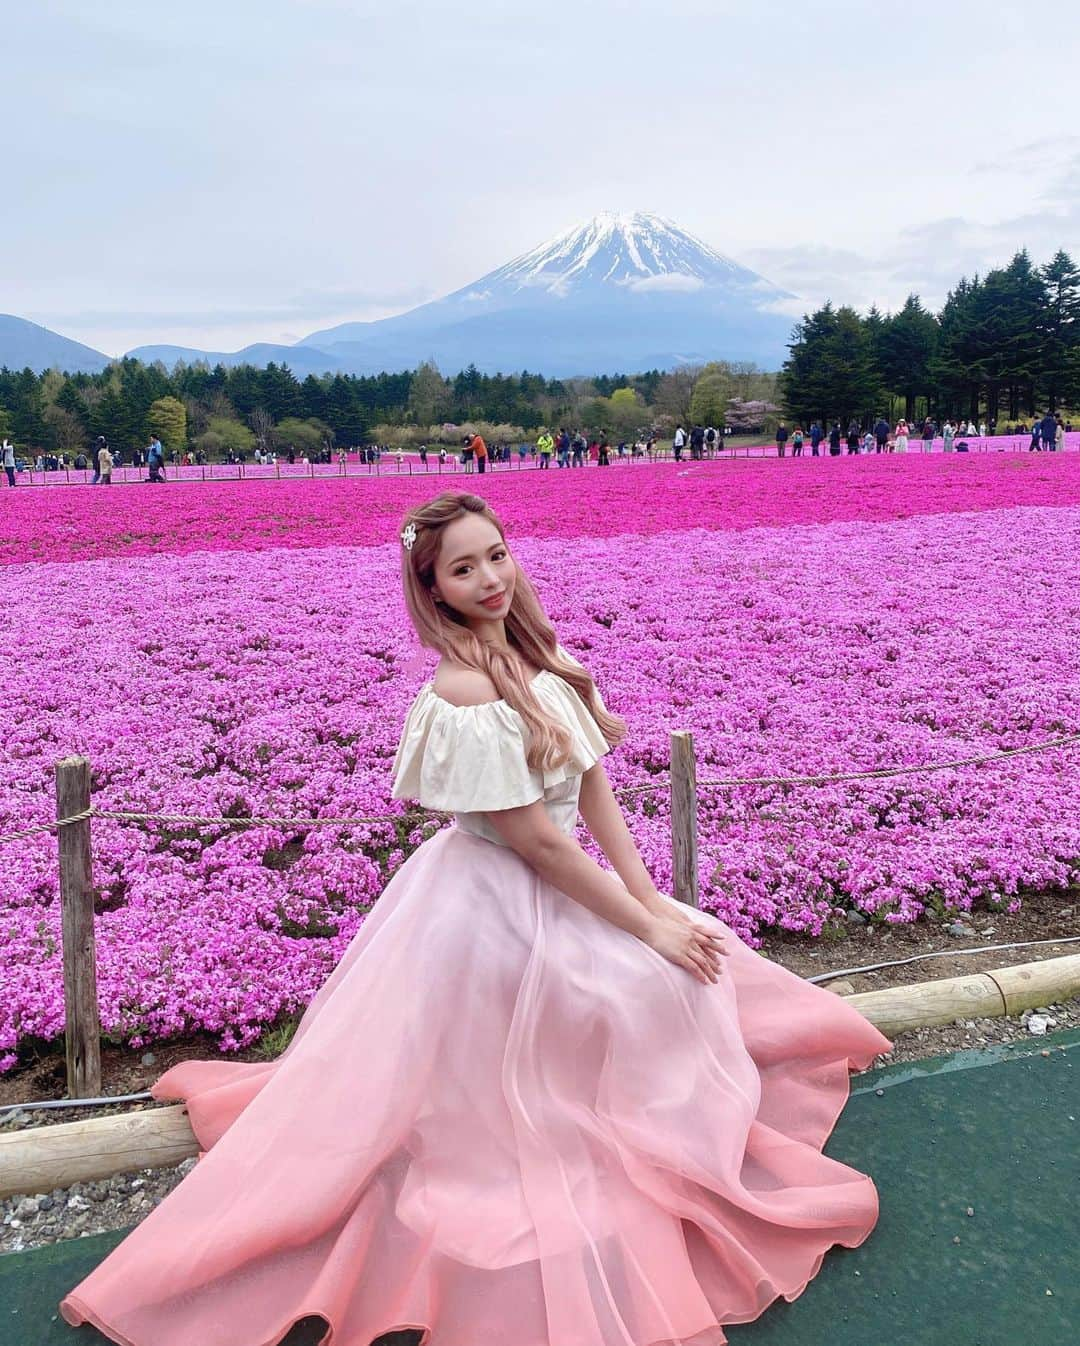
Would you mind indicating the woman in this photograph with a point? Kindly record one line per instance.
(900, 438)
(948, 434)
(527, 1106)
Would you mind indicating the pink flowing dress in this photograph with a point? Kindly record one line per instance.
(502, 1118)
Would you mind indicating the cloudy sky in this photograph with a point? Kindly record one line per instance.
(226, 171)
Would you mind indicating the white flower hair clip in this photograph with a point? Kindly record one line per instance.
(408, 536)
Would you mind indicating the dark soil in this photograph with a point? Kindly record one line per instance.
(1043, 916)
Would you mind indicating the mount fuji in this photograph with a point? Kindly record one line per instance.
(621, 292)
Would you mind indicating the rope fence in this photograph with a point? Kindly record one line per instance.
(75, 812)
(653, 787)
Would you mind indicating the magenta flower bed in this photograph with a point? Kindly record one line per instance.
(275, 683)
(76, 523)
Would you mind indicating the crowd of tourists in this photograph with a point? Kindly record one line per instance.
(568, 448)
(1047, 434)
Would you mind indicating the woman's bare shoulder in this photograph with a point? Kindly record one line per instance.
(463, 686)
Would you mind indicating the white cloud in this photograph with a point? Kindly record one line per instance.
(791, 306)
(930, 257)
(676, 282)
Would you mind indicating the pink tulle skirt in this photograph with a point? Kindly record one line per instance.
(503, 1119)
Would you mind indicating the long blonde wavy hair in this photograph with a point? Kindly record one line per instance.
(531, 635)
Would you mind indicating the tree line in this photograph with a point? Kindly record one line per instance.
(223, 411)
(1004, 348)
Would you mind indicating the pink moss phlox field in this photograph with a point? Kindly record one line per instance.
(274, 683)
(81, 523)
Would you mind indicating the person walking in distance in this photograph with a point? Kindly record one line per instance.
(781, 439)
(881, 433)
(105, 466)
(9, 461)
(835, 438)
(816, 436)
(853, 436)
(1048, 431)
(155, 460)
(678, 442)
(95, 458)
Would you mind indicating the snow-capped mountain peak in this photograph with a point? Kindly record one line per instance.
(627, 292)
(638, 250)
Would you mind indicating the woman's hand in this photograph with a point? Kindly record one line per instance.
(656, 905)
(683, 942)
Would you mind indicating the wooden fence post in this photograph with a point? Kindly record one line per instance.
(83, 1031)
(684, 818)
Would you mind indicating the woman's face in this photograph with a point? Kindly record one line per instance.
(474, 571)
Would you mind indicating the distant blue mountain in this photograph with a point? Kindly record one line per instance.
(622, 292)
(302, 360)
(24, 345)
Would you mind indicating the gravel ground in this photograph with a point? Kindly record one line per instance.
(122, 1201)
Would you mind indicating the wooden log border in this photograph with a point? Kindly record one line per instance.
(44, 1158)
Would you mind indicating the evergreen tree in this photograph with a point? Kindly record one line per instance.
(953, 368)
(25, 405)
(1061, 341)
(244, 389)
(345, 411)
(109, 417)
(313, 399)
(70, 400)
(996, 358)
(903, 348)
(280, 391)
(830, 373)
(467, 404)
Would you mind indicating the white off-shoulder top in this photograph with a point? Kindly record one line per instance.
(470, 760)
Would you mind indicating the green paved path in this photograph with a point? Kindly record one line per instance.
(995, 1131)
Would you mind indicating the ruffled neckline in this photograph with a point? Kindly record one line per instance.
(473, 758)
